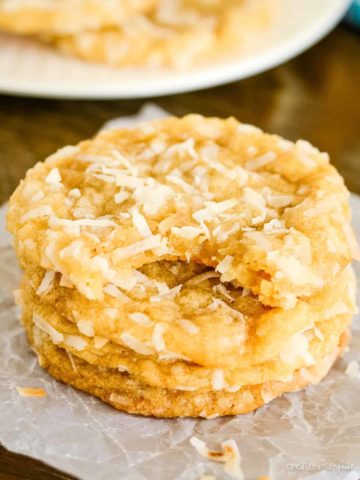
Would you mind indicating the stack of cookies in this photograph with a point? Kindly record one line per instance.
(156, 33)
(185, 267)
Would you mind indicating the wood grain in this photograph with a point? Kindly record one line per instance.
(315, 97)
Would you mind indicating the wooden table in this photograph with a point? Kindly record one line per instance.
(315, 97)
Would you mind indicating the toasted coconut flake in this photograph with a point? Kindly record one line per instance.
(186, 388)
(339, 308)
(212, 209)
(141, 319)
(31, 392)
(275, 227)
(181, 183)
(295, 349)
(46, 283)
(152, 198)
(120, 197)
(218, 380)
(170, 294)
(65, 282)
(229, 455)
(144, 245)
(279, 201)
(100, 342)
(37, 197)
(261, 161)
(74, 193)
(187, 232)
(75, 342)
(202, 277)
(41, 211)
(43, 325)
(233, 388)
(190, 327)
(140, 223)
(123, 368)
(86, 327)
(71, 359)
(225, 264)
(114, 291)
(318, 334)
(172, 356)
(158, 337)
(81, 222)
(53, 177)
(221, 290)
(135, 344)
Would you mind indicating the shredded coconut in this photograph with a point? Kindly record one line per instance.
(225, 264)
(31, 392)
(229, 455)
(136, 345)
(202, 277)
(212, 209)
(218, 381)
(187, 232)
(148, 243)
(74, 341)
(261, 161)
(41, 211)
(86, 327)
(157, 337)
(170, 294)
(141, 319)
(221, 290)
(43, 325)
(53, 176)
(190, 327)
(46, 283)
(100, 342)
(140, 223)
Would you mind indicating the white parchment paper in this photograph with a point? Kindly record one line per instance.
(313, 434)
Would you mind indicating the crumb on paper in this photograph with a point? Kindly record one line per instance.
(207, 477)
(229, 456)
(353, 369)
(31, 392)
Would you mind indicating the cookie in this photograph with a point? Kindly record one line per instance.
(268, 215)
(40, 17)
(154, 365)
(176, 34)
(200, 324)
(126, 394)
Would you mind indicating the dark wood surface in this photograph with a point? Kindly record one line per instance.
(315, 96)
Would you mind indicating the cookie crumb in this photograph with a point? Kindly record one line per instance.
(229, 456)
(31, 392)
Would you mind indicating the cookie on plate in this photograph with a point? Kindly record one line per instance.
(175, 34)
(64, 17)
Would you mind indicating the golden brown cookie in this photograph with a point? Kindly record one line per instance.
(209, 323)
(158, 367)
(175, 34)
(51, 17)
(267, 214)
(122, 392)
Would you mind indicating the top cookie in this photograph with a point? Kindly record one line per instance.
(269, 215)
(51, 17)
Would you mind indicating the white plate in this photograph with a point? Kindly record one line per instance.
(27, 68)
